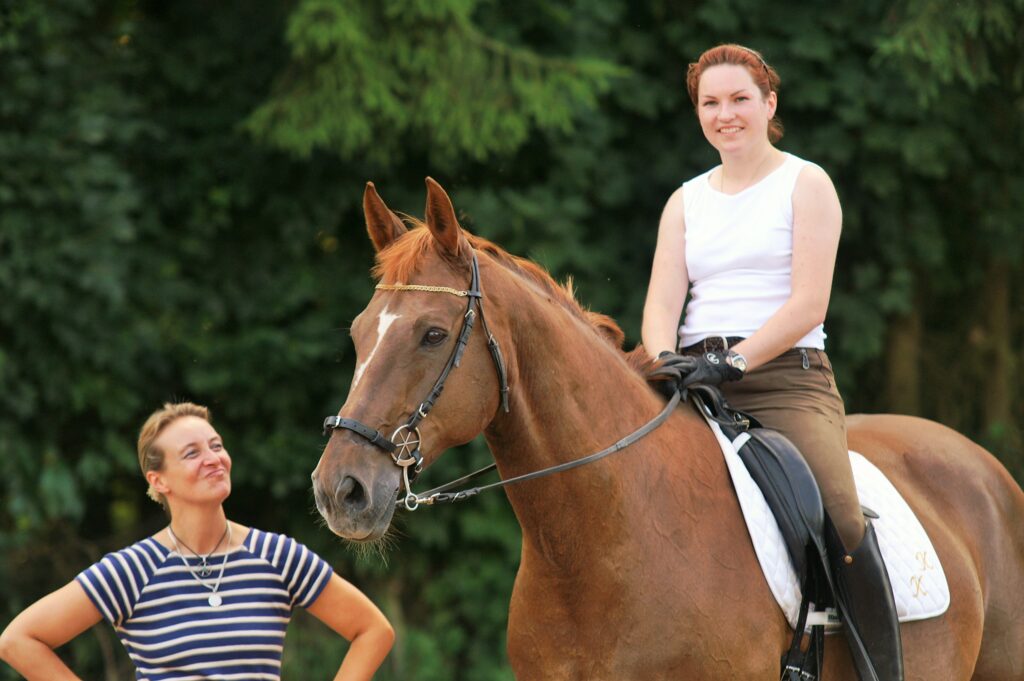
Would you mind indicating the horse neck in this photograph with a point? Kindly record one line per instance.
(573, 394)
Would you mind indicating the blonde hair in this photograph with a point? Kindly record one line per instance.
(151, 458)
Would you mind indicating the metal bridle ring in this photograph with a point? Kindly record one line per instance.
(404, 454)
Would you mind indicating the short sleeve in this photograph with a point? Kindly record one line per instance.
(108, 586)
(115, 583)
(305, 574)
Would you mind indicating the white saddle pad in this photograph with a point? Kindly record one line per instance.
(918, 581)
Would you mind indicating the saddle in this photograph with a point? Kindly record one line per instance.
(792, 494)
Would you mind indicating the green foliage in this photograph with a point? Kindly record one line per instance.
(68, 228)
(964, 44)
(367, 79)
(179, 219)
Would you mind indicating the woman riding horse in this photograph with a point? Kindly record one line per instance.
(637, 567)
(754, 239)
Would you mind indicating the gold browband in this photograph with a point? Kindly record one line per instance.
(420, 287)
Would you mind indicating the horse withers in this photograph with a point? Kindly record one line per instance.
(637, 567)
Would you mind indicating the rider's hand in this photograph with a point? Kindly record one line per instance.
(674, 371)
(667, 374)
(712, 368)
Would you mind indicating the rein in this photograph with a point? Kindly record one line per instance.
(707, 400)
(441, 494)
(404, 444)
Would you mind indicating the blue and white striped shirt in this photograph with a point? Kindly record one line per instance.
(162, 616)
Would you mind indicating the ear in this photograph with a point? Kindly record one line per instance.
(443, 224)
(156, 481)
(773, 103)
(383, 225)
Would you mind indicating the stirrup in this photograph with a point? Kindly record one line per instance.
(791, 673)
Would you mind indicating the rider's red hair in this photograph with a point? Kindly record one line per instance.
(765, 77)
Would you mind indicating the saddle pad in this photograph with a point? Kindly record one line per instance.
(918, 581)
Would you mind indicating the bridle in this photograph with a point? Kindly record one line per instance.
(404, 444)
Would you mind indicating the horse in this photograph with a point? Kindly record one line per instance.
(636, 567)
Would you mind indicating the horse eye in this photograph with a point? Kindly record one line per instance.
(434, 336)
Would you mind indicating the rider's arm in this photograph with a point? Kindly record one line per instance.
(345, 609)
(666, 292)
(28, 642)
(817, 222)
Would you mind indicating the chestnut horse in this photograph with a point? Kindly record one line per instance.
(637, 567)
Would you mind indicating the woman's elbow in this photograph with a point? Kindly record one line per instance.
(378, 631)
(818, 315)
(8, 642)
(387, 635)
(812, 310)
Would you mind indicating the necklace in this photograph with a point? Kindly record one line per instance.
(214, 600)
(721, 174)
(204, 568)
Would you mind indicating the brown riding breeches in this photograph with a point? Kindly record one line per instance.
(796, 395)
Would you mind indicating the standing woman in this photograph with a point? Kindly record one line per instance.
(205, 597)
(754, 242)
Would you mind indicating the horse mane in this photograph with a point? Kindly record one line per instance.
(398, 262)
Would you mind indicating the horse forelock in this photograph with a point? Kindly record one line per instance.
(399, 262)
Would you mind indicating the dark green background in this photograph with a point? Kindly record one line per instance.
(180, 186)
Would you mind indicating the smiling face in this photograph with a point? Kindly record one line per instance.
(196, 467)
(733, 111)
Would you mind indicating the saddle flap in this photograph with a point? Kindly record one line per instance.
(789, 488)
(797, 473)
(916, 574)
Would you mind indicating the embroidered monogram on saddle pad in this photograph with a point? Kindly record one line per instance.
(918, 581)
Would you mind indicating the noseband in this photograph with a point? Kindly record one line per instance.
(404, 444)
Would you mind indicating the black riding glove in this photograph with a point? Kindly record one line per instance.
(667, 374)
(674, 371)
(713, 368)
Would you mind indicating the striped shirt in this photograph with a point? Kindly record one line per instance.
(170, 630)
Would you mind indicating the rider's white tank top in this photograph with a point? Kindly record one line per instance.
(739, 254)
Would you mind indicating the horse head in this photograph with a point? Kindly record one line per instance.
(407, 343)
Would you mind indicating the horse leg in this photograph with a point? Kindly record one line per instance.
(1001, 657)
(1002, 651)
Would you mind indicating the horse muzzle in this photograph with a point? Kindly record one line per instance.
(356, 504)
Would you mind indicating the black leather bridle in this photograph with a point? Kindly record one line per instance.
(404, 444)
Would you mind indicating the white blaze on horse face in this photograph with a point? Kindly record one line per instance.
(384, 321)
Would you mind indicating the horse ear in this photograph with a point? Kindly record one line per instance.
(442, 223)
(383, 225)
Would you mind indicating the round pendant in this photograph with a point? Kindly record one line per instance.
(214, 600)
(205, 571)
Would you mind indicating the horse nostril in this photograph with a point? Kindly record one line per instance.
(351, 494)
